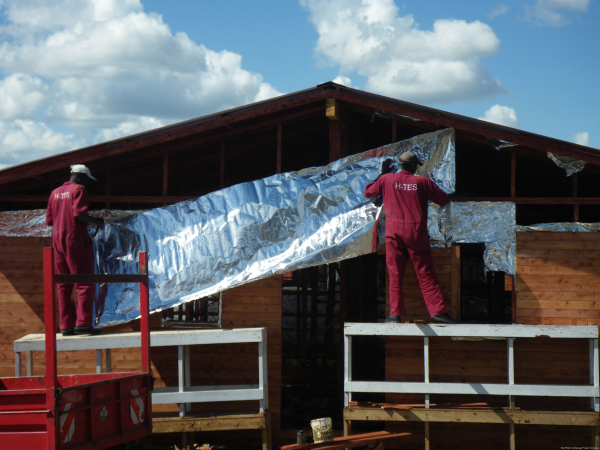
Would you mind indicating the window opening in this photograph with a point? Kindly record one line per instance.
(201, 313)
(484, 298)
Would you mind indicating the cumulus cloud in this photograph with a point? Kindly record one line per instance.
(502, 115)
(499, 10)
(344, 81)
(104, 68)
(555, 12)
(582, 138)
(23, 140)
(399, 59)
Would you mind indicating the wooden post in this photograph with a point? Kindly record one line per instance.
(427, 441)
(222, 164)
(334, 140)
(279, 147)
(455, 281)
(513, 442)
(394, 126)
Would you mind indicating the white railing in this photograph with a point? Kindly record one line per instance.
(508, 332)
(184, 394)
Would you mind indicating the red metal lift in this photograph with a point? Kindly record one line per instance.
(90, 411)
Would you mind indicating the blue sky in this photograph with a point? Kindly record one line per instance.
(78, 72)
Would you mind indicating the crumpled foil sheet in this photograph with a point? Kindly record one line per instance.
(24, 223)
(32, 222)
(492, 223)
(570, 165)
(393, 116)
(501, 257)
(562, 227)
(499, 144)
(254, 230)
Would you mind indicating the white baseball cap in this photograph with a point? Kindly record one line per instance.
(80, 168)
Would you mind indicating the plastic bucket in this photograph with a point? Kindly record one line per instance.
(322, 430)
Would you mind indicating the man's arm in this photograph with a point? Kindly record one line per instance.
(436, 195)
(373, 189)
(98, 221)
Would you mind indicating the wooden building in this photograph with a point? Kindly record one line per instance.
(557, 280)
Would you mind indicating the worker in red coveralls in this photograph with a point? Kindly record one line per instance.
(405, 197)
(73, 251)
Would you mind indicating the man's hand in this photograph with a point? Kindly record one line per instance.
(96, 221)
(386, 166)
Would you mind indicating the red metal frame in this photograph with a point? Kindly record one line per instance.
(90, 411)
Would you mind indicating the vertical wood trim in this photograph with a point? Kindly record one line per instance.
(279, 147)
(394, 131)
(513, 173)
(455, 281)
(334, 140)
(514, 299)
(576, 206)
(165, 180)
(427, 439)
(222, 164)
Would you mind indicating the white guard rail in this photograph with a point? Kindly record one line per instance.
(508, 332)
(184, 394)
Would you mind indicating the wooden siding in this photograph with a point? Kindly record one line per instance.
(558, 278)
(257, 304)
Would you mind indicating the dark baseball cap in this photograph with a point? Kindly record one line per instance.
(409, 157)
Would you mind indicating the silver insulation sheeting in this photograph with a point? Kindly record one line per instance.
(570, 165)
(492, 223)
(562, 227)
(254, 230)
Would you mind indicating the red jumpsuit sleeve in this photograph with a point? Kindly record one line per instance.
(374, 189)
(49, 212)
(80, 202)
(436, 195)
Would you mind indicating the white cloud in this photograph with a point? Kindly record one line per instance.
(502, 115)
(21, 95)
(582, 138)
(127, 128)
(99, 68)
(400, 60)
(23, 140)
(344, 81)
(555, 12)
(499, 10)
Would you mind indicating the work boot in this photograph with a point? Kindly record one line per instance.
(68, 332)
(394, 319)
(443, 318)
(87, 331)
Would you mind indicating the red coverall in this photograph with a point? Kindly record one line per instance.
(405, 201)
(73, 252)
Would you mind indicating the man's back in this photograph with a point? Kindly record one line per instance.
(65, 204)
(405, 196)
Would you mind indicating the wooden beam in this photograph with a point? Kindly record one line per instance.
(455, 278)
(575, 418)
(535, 200)
(160, 136)
(102, 198)
(279, 132)
(445, 119)
(332, 110)
(224, 422)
